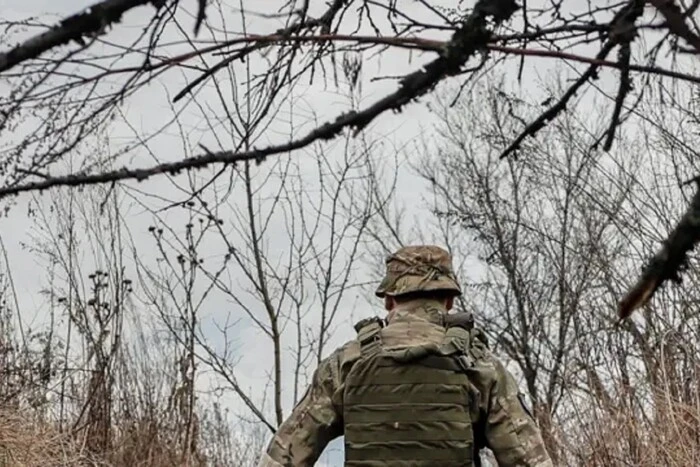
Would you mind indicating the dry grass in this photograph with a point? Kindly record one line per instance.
(28, 443)
(670, 437)
(666, 434)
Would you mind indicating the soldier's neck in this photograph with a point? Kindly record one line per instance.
(424, 309)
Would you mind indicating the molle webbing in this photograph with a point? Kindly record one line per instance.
(413, 413)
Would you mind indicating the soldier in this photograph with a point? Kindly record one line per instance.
(423, 390)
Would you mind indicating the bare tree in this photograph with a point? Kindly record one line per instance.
(287, 243)
(104, 371)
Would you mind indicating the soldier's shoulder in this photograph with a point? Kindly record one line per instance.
(488, 366)
(479, 346)
(348, 352)
(343, 355)
(333, 368)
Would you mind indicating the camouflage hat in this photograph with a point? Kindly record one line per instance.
(418, 268)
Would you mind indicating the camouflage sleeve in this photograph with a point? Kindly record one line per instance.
(510, 431)
(314, 422)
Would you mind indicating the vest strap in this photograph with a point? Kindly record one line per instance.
(369, 335)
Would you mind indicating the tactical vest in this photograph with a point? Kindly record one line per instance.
(410, 409)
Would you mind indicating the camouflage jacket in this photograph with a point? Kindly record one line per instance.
(508, 429)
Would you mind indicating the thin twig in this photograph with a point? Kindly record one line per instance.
(323, 20)
(595, 61)
(201, 15)
(624, 31)
(560, 105)
(624, 88)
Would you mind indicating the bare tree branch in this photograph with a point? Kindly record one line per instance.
(91, 23)
(675, 20)
(652, 70)
(323, 21)
(552, 112)
(668, 262)
(472, 36)
(622, 30)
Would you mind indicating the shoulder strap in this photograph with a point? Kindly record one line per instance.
(462, 332)
(369, 335)
(456, 344)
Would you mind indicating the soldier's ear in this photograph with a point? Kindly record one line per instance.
(449, 303)
(389, 303)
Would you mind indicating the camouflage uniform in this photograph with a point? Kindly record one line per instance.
(497, 414)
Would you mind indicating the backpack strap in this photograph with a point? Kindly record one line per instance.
(458, 340)
(463, 336)
(369, 335)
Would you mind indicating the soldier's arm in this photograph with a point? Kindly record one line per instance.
(510, 431)
(314, 422)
